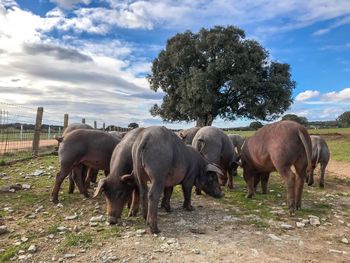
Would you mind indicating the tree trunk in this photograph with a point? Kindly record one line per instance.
(204, 120)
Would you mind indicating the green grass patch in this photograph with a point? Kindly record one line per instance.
(12, 251)
(75, 240)
(109, 232)
(339, 149)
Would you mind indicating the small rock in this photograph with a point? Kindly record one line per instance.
(21, 252)
(75, 216)
(40, 208)
(274, 237)
(314, 221)
(22, 257)
(300, 224)
(37, 173)
(198, 230)
(140, 231)
(69, 256)
(99, 218)
(24, 239)
(61, 228)
(286, 226)
(32, 216)
(195, 251)
(26, 186)
(345, 240)
(3, 230)
(51, 236)
(93, 224)
(171, 241)
(32, 249)
(59, 205)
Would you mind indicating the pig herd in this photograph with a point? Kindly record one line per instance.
(144, 164)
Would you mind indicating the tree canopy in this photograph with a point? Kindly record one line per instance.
(133, 125)
(218, 72)
(344, 119)
(255, 125)
(296, 118)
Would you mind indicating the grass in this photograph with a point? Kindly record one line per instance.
(75, 240)
(339, 149)
(12, 251)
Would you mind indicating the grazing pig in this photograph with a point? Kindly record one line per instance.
(188, 134)
(161, 157)
(320, 155)
(216, 147)
(88, 147)
(117, 187)
(278, 146)
(237, 142)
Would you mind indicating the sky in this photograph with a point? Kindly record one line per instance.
(89, 58)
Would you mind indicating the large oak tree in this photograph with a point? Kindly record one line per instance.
(218, 72)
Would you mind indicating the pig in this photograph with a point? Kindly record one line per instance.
(216, 147)
(161, 157)
(276, 147)
(92, 148)
(237, 142)
(188, 134)
(118, 187)
(79, 174)
(320, 155)
(117, 134)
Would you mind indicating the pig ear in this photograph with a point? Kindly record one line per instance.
(212, 168)
(127, 178)
(99, 188)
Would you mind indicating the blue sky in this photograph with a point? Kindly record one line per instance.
(89, 58)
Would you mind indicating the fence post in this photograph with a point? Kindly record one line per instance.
(49, 133)
(21, 134)
(104, 127)
(36, 139)
(65, 121)
(95, 125)
(83, 120)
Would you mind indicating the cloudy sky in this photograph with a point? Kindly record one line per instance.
(90, 57)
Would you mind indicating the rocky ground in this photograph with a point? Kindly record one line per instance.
(232, 229)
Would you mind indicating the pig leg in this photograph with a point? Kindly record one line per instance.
(71, 184)
(198, 191)
(153, 200)
(299, 185)
(230, 180)
(322, 172)
(187, 189)
(168, 191)
(134, 208)
(143, 190)
(78, 177)
(65, 170)
(89, 173)
(249, 177)
(289, 178)
(257, 179)
(264, 181)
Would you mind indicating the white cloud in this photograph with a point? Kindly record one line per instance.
(307, 94)
(340, 22)
(341, 96)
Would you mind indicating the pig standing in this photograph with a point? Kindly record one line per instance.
(188, 134)
(278, 146)
(88, 147)
(237, 142)
(320, 155)
(118, 185)
(161, 157)
(215, 146)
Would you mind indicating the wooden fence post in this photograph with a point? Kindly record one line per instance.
(104, 127)
(36, 139)
(95, 124)
(83, 120)
(65, 121)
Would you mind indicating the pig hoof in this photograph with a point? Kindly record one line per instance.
(249, 196)
(198, 192)
(54, 200)
(188, 208)
(154, 230)
(321, 185)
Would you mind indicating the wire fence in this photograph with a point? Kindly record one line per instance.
(25, 132)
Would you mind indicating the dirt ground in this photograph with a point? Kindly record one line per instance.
(232, 229)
